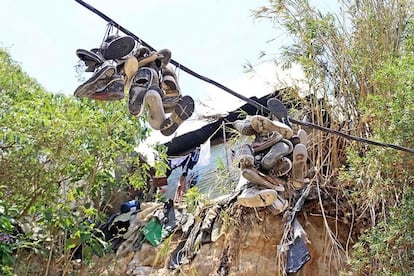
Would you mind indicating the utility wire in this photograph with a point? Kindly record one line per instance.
(260, 107)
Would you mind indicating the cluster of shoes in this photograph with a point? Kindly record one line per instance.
(121, 66)
(274, 159)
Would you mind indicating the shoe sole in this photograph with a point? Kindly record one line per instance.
(136, 101)
(276, 153)
(273, 139)
(156, 115)
(265, 126)
(119, 48)
(300, 156)
(88, 56)
(110, 92)
(88, 88)
(262, 198)
(254, 177)
(279, 110)
(182, 111)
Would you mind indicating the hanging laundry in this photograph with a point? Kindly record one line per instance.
(191, 161)
(177, 162)
(205, 153)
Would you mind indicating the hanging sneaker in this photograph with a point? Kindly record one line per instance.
(279, 110)
(142, 81)
(165, 57)
(264, 126)
(91, 59)
(244, 127)
(136, 100)
(256, 177)
(171, 88)
(182, 111)
(300, 156)
(156, 115)
(253, 197)
(261, 142)
(99, 79)
(120, 47)
(131, 66)
(303, 137)
(113, 91)
(282, 167)
(246, 157)
(280, 149)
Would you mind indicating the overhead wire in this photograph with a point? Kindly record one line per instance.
(259, 106)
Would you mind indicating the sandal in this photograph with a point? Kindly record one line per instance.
(182, 111)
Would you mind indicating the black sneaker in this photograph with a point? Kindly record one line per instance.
(119, 48)
(99, 79)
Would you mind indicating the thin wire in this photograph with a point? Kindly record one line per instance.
(260, 107)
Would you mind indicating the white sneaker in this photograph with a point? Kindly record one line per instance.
(253, 197)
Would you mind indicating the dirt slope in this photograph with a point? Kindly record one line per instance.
(248, 246)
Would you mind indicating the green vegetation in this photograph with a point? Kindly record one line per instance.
(58, 162)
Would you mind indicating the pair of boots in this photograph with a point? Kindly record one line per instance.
(106, 63)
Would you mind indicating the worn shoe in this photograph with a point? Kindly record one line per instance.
(303, 137)
(253, 197)
(113, 91)
(246, 156)
(282, 167)
(171, 88)
(99, 79)
(156, 115)
(280, 149)
(164, 57)
(256, 177)
(120, 47)
(279, 110)
(244, 127)
(261, 142)
(264, 126)
(182, 111)
(295, 139)
(169, 83)
(300, 156)
(136, 100)
(141, 82)
(130, 69)
(279, 205)
(91, 59)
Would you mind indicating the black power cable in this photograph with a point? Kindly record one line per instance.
(228, 90)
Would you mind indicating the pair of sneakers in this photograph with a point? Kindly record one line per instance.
(106, 82)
